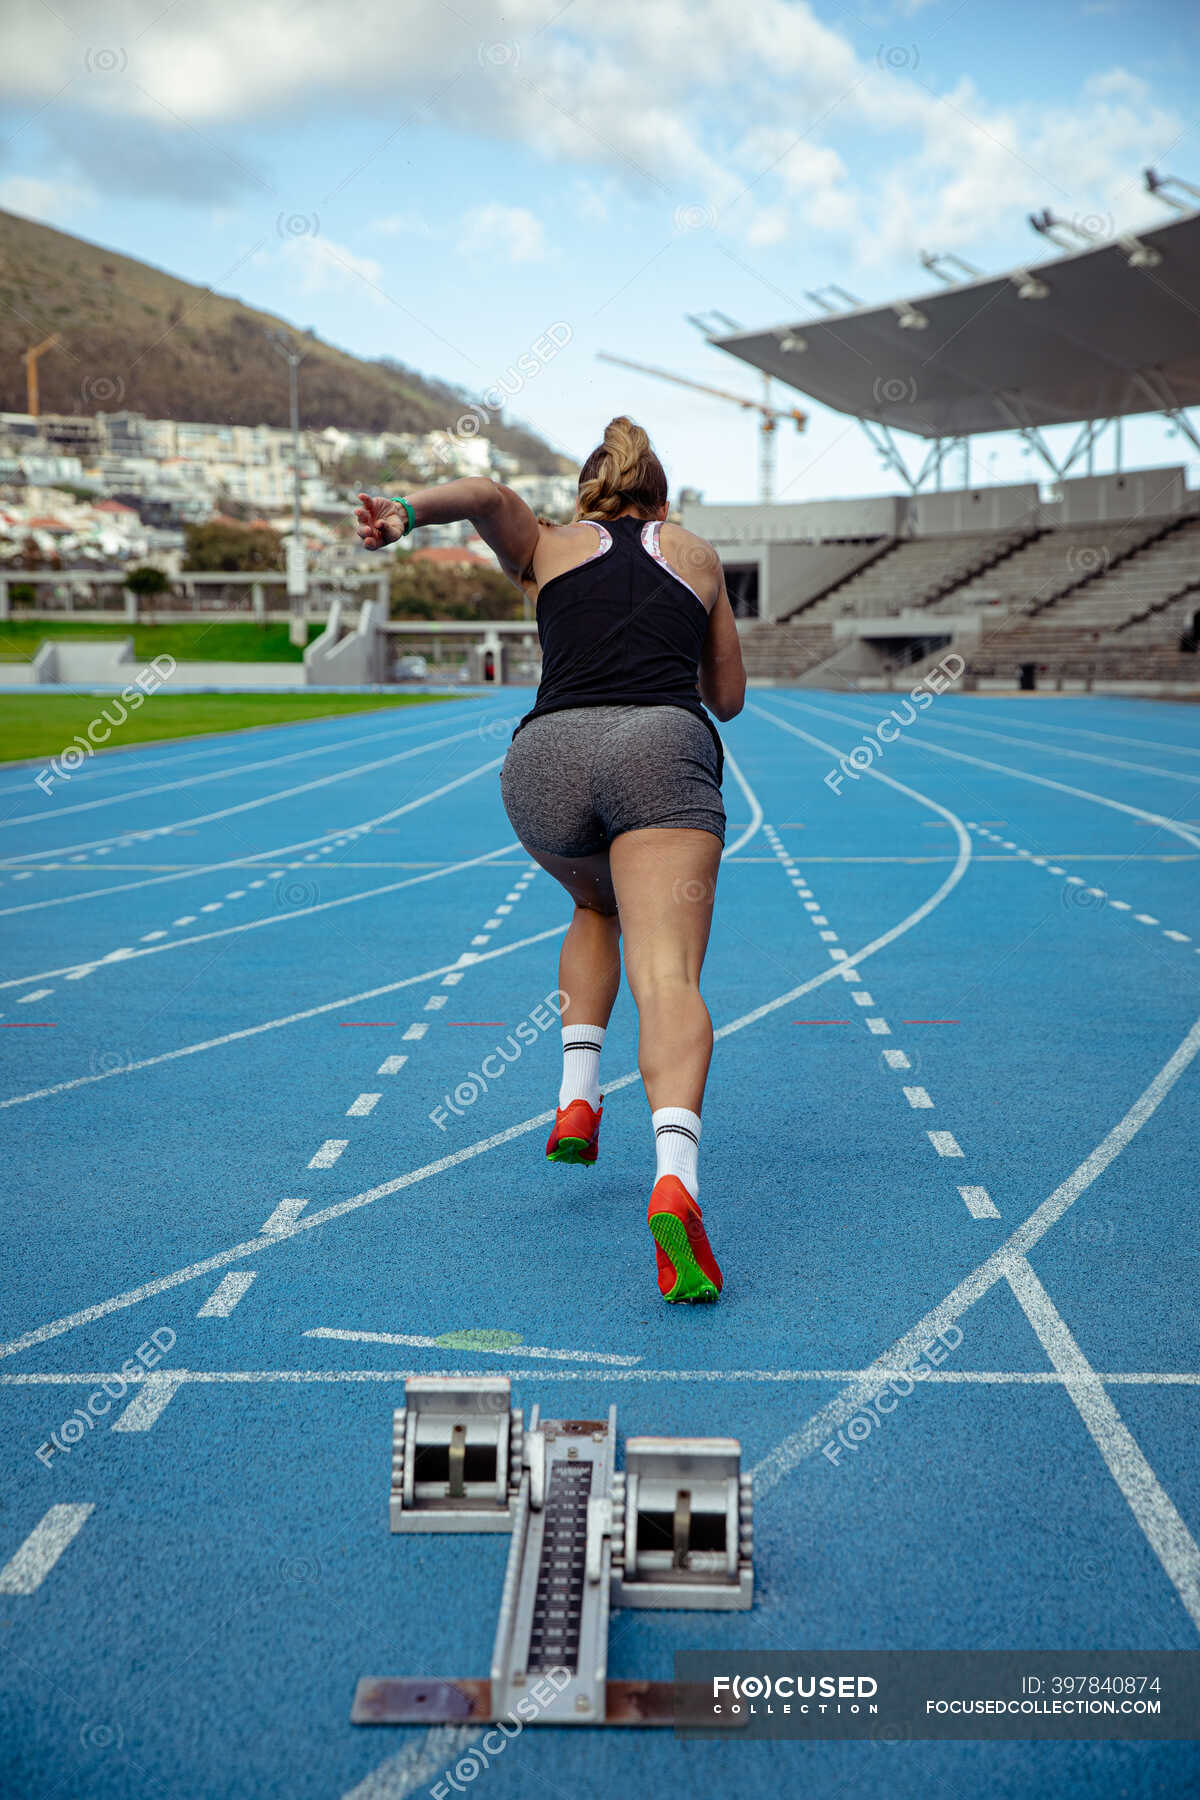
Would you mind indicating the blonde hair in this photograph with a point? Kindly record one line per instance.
(622, 471)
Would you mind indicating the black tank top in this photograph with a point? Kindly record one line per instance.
(621, 629)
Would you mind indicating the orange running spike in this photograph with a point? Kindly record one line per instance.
(687, 1268)
(576, 1134)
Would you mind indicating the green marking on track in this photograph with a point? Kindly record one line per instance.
(479, 1340)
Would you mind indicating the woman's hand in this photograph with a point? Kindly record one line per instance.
(380, 522)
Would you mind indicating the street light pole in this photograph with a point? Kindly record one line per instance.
(297, 571)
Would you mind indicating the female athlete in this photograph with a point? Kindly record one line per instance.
(613, 784)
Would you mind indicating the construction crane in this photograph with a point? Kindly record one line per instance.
(768, 415)
(30, 359)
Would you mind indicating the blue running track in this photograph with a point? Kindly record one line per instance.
(958, 1001)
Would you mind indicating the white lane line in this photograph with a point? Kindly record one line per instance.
(285, 1215)
(213, 906)
(451, 980)
(799, 1444)
(304, 912)
(37, 994)
(879, 1028)
(1061, 787)
(979, 1203)
(896, 1059)
(418, 1029)
(1165, 1531)
(366, 1103)
(187, 919)
(436, 1001)
(391, 1065)
(1117, 905)
(944, 1142)
(152, 937)
(151, 1399)
(25, 1572)
(481, 938)
(255, 1246)
(432, 1343)
(249, 1031)
(877, 1372)
(143, 835)
(918, 1097)
(1178, 937)
(756, 811)
(226, 1294)
(418, 1765)
(1053, 750)
(1145, 919)
(433, 718)
(862, 999)
(329, 1152)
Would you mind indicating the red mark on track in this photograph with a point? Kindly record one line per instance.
(32, 1025)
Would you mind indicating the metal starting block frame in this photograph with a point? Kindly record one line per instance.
(674, 1529)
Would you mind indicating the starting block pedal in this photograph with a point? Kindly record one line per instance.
(674, 1529)
(456, 1456)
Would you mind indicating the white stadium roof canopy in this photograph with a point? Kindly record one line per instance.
(1101, 334)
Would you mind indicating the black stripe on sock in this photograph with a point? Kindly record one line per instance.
(567, 1048)
(681, 1129)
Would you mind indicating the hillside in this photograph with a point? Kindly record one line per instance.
(133, 336)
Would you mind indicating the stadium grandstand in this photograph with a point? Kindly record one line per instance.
(1083, 580)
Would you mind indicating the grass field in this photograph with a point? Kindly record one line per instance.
(42, 724)
(210, 640)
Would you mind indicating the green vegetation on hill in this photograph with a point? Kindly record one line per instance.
(41, 725)
(134, 336)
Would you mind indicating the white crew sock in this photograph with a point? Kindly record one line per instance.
(677, 1142)
(582, 1045)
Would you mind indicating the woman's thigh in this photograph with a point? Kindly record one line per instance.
(588, 879)
(665, 881)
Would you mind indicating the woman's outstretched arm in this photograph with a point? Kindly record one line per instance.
(500, 516)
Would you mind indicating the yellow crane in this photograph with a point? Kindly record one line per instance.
(768, 414)
(30, 359)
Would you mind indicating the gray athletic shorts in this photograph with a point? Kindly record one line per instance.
(574, 780)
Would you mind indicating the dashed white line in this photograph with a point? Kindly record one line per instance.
(284, 1216)
(329, 1152)
(435, 1002)
(979, 1203)
(226, 1294)
(150, 1401)
(25, 1572)
(365, 1104)
(896, 1059)
(862, 998)
(37, 994)
(1145, 918)
(432, 1343)
(919, 1097)
(391, 1065)
(879, 1028)
(944, 1142)
(416, 1030)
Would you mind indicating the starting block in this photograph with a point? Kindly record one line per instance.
(673, 1529)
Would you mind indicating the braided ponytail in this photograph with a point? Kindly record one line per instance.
(622, 471)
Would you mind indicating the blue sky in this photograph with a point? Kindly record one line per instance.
(440, 182)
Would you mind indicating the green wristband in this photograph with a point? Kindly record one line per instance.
(399, 500)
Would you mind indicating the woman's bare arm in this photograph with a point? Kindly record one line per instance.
(500, 516)
(722, 671)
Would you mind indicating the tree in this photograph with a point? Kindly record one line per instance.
(146, 580)
(424, 590)
(225, 548)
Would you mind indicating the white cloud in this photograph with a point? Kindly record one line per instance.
(756, 109)
(52, 202)
(319, 265)
(508, 231)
